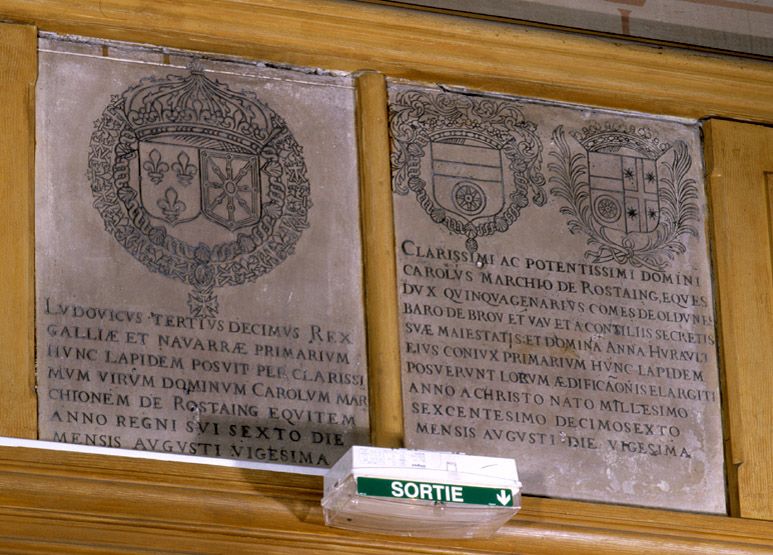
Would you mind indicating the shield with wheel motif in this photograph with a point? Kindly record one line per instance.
(230, 188)
(624, 191)
(169, 181)
(467, 177)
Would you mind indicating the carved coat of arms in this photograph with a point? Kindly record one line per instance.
(471, 161)
(628, 191)
(172, 152)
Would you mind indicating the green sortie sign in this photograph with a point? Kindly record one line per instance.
(429, 491)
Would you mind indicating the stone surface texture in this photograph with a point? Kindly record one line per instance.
(555, 295)
(198, 256)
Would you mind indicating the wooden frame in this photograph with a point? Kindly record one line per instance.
(53, 502)
(67, 502)
(18, 63)
(380, 262)
(740, 161)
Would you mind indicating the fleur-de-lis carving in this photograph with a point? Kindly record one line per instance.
(155, 167)
(185, 170)
(171, 205)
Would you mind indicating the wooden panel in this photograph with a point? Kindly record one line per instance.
(738, 155)
(769, 179)
(58, 502)
(429, 47)
(18, 68)
(54, 502)
(386, 405)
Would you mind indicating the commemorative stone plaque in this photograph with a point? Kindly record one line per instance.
(556, 296)
(198, 256)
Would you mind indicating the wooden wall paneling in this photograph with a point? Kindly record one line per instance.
(384, 379)
(738, 157)
(64, 502)
(18, 71)
(59, 502)
(486, 55)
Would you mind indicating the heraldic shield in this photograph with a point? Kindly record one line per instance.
(230, 188)
(169, 181)
(624, 191)
(179, 182)
(472, 162)
(639, 202)
(467, 177)
(184, 147)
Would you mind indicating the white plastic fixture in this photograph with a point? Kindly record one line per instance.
(421, 493)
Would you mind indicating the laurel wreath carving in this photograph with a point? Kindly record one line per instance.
(655, 250)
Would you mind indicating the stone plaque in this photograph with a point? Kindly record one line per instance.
(198, 256)
(556, 296)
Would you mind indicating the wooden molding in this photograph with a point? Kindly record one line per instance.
(54, 502)
(429, 47)
(475, 13)
(739, 159)
(384, 379)
(63, 502)
(18, 70)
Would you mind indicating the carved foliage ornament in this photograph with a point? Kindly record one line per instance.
(185, 148)
(472, 162)
(627, 191)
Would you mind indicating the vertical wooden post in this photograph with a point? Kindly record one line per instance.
(739, 161)
(18, 70)
(386, 419)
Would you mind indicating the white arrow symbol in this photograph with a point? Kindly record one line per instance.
(503, 497)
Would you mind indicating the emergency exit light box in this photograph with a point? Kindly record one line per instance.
(421, 493)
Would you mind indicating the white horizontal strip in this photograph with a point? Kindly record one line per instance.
(191, 459)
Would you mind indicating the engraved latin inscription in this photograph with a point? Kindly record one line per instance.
(580, 339)
(244, 390)
(198, 257)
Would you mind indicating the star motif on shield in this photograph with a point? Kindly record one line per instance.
(230, 188)
(629, 192)
(172, 155)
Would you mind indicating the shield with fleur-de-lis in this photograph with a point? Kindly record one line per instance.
(230, 188)
(624, 191)
(194, 149)
(169, 181)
